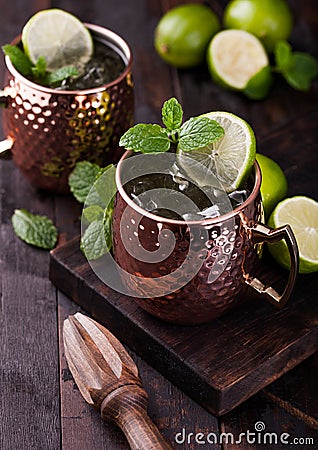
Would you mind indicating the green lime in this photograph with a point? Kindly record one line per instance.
(183, 34)
(274, 183)
(237, 60)
(269, 20)
(230, 158)
(301, 213)
(58, 36)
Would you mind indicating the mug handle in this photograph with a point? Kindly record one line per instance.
(262, 233)
(6, 144)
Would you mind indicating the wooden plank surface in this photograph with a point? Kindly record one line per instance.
(30, 413)
(220, 364)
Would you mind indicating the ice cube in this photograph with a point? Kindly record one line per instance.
(238, 197)
(210, 212)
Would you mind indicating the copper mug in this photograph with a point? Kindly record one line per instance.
(193, 300)
(49, 130)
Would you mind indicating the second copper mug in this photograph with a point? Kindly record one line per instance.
(49, 130)
(199, 299)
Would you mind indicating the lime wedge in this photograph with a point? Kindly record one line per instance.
(237, 60)
(58, 36)
(229, 159)
(301, 213)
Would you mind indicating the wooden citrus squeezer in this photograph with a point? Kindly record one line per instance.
(108, 380)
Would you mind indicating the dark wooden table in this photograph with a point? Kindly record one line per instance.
(41, 407)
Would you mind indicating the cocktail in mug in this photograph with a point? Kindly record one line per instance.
(187, 223)
(49, 128)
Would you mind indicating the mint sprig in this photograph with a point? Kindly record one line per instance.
(172, 114)
(195, 133)
(89, 186)
(37, 72)
(82, 179)
(19, 59)
(145, 138)
(299, 69)
(199, 132)
(93, 242)
(59, 75)
(34, 229)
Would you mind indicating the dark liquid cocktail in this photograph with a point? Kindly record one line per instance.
(206, 202)
(105, 65)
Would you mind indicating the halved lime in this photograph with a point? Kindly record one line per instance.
(237, 60)
(58, 36)
(229, 159)
(301, 213)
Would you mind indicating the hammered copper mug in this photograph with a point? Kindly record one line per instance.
(197, 299)
(49, 130)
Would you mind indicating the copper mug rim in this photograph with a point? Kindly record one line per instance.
(111, 35)
(203, 222)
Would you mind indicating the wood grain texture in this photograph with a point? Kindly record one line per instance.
(260, 347)
(30, 413)
(28, 337)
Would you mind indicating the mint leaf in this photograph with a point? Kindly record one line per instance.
(298, 68)
(105, 184)
(303, 70)
(82, 179)
(61, 74)
(34, 229)
(198, 132)
(172, 114)
(97, 238)
(39, 70)
(93, 212)
(145, 138)
(19, 59)
(93, 242)
(283, 55)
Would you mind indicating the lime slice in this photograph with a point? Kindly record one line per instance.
(301, 213)
(229, 159)
(237, 60)
(61, 38)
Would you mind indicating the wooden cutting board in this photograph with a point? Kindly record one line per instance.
(220, 364)
(223, 363)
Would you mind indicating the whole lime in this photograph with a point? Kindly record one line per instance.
(274, 183)
(183, 34)
(269, 20)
